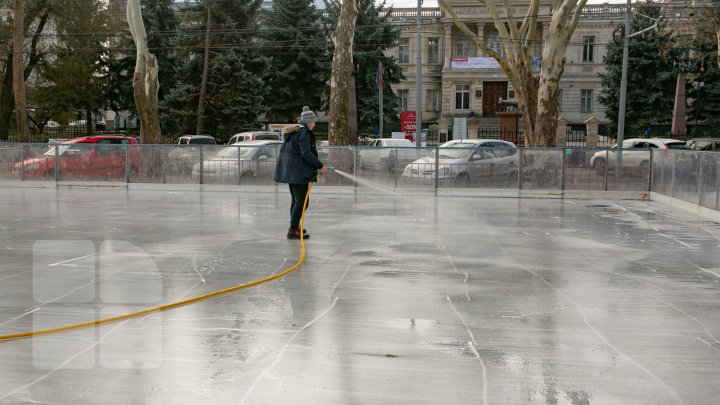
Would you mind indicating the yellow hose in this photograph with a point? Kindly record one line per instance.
(173, 304)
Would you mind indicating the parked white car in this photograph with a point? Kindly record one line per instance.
(467, 161)
(381, 154)
(247, 161)
(255, 136)
(635, 153)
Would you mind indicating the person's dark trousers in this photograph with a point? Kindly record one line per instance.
(298, 193)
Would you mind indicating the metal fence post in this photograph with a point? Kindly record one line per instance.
(562, 169)
(700, 188)
(717, 186)
(607, 168)
(650, 170)
(22, 159)
(355, 166)
(395, 166)
(672, 176)
(57, 163)
(521, 155)
(237, 169)
(437, 168)
(127, 163)
(200, 174)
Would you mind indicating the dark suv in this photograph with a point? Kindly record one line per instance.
(101, 157)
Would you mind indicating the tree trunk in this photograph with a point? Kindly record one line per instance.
(200, 123)
(145, 79)
(352, 113)
(6, 92)
(342, 68)
(717, 36)
(6, 100)
(18, 70)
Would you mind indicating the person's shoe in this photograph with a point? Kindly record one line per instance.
(294, 233)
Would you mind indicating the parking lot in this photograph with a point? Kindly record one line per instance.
(405, 299)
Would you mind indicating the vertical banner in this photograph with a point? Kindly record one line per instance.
(407, 123)
(460, 128)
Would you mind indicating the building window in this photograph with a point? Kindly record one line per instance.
(404, 50)
(403, 95)
(585, 100)
(588, 49)
(432, 100)
(462, 97)
(558, 99)
(433, 50)
(463, 47)
(494, 42)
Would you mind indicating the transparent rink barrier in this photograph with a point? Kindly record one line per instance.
(691, 176)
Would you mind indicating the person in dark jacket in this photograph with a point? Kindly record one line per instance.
(298, 165)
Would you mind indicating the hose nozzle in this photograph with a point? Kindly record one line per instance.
(330, 168)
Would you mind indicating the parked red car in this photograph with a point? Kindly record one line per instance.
(99, 157)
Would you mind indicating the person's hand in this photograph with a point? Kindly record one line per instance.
(324, 171)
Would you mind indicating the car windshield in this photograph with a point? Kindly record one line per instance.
(246, 152)
(398, 142)
(202, 141)
(63, 150)
(456, 151)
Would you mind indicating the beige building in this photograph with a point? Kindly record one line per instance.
(461, 84)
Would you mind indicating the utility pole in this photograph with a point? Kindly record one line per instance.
(623, 91)
(623, 80)
(418, 84)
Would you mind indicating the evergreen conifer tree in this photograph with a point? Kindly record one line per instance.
(652, 74)
(294, 39)
(237, 92)
(705, 106)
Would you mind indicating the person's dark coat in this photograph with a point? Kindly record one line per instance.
(298, 162)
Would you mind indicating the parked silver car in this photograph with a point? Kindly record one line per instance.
(635, 154)
(242, 162)
(468, 161)
(384, 154)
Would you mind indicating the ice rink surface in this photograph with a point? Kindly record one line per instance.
(401, 300)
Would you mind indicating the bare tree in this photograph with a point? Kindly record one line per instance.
(536, 93)
(18, 71)
(342, 70)
(145, 80)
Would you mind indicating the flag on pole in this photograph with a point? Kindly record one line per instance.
(379, 76)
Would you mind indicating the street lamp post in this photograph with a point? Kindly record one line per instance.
(696, 105)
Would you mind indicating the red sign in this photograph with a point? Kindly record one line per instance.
(407, 121)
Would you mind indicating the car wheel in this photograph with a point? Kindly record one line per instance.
(462, 180)
(599, 165)
(50, 175)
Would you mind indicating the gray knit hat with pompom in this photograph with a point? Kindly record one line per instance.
(307, 116)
